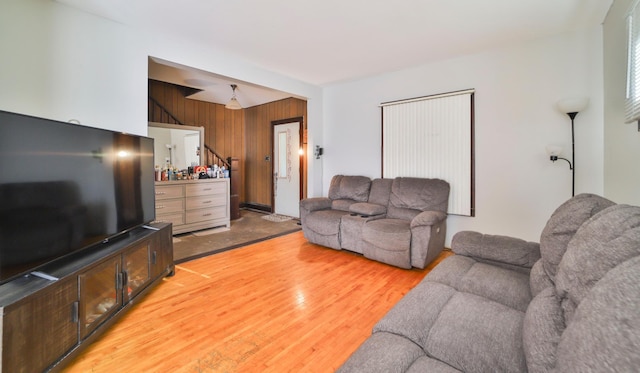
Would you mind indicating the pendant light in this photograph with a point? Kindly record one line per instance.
(233, 103)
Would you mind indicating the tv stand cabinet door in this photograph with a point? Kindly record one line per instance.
(100, 293)
(41, 328)
(162, 252)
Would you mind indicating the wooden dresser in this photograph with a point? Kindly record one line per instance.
(192, 205)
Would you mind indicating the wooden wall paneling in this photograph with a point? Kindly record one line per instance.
(244, 134)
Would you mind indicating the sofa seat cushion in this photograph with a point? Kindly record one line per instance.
(390, 234)
(325, 222)
(383, 352)
(508, 287)
(387, 352)
(468, 332)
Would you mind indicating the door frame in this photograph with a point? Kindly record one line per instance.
(303, 158)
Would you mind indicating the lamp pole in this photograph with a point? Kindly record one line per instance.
(572, 115)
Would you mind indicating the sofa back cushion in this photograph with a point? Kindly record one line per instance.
(354, 188)
(411, 196)
(606, 240)
(589, 321)
(604, 334)
(563, 224)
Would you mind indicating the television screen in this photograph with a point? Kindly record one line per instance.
(67, 187)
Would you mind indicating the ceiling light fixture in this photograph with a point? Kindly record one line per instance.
(233, 104)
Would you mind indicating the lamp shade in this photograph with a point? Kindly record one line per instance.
(572, 105)
(233, 104)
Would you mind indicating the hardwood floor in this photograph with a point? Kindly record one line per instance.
(282, 305)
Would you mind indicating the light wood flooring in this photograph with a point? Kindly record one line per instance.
(281, 305)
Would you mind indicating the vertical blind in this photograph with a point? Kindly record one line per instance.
(632, 102)
(432, 137)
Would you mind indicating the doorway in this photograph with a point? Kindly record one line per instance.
(287, 154)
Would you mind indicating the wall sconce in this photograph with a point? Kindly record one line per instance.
(318, 152)
(554, 152)
(571, 107)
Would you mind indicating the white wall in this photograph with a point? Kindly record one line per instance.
(517, 187)
(61, 63)
(622, 141)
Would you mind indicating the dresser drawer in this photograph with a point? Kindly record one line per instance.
(204, 189)
(206, 201)
(176, 218)
(165, 206)
(218, 212)
(169, 191)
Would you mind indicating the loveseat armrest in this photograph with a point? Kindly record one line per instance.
(496, 249)
(316, 203)
(428, 218)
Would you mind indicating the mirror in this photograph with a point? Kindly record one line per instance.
(177, 145)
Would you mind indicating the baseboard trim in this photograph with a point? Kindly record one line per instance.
(256, 206)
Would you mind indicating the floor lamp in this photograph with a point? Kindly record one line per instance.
(571, 107)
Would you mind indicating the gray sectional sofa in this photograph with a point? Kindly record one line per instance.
(568, 304)
(399, 221)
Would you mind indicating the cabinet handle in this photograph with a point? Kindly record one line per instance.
(158, 207)
(160, 193)
(206, 214)
(119, 281)
(154, 257)
(207, 201)
(207, 188)
(75, 312)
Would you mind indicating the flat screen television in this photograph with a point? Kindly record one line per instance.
(66, 188)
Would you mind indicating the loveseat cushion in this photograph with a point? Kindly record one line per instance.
(388, 241)
(325, 222)
(354, 188)
(562, 226)
(609, 238)
(410, 196)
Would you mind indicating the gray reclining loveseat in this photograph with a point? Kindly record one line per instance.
(568, 304)
(399, 221)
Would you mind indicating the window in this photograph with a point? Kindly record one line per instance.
(432, 137)
(632, 104)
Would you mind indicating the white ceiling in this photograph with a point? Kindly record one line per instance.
(328, 41)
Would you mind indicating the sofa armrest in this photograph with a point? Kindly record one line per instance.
(496, 249)
(314, 204)
(427, 218)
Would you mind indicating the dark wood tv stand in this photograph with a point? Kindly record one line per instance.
(47, 322)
